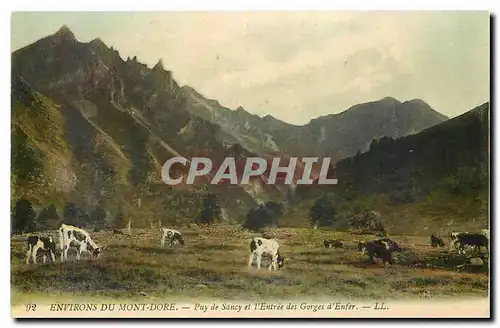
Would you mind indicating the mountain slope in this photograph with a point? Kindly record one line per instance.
(118, 122)
(434, 181)
(92, 128)
(337, 135)
(457, 149)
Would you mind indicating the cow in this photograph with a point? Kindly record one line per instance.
(361, 247)
(172, 235)
(476, 240)
(262, 246)
(46, 244)
(333, 243)
(436, 241)
(71, 236)
(380, 248)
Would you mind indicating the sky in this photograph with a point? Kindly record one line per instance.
(297, 65)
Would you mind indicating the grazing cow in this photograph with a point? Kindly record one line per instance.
(436, 241)
(361, 247)
(261, 246)
(46, 244)
(71, 236)
(380, 248)
(464, 239)
(333, 243)
(173, 236)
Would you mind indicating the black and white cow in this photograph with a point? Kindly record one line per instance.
(463, 239)
(333, 243)
(71, 236)
(436, 241)
(262, 246)
(46, 244)
(381, 248)
(486, 232)
(173, 236)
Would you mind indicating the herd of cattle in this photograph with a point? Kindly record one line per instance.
(383, 248)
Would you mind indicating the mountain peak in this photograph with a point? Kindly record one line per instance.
(418, 102)
(98, 41)
(65, 32)
(390, 100)
(159, 66)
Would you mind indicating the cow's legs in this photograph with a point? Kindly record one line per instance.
(250, 260)
(44, 258)
(270, 266)
(259, 258)
(372, 260)
(273, 264)
(33, 254)
(53, 257)
(389, 259)
(66, 249)
(79, 252)
(28, 254)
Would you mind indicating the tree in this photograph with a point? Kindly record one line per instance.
(24, 219)
(210, 212)
(368, 222)
(98, 217)
(322, 212)
(48, 219)
(265, 215)
(70, 213)
(83, 218)
(75, 215)
(120, 220)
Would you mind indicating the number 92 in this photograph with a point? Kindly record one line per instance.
(30, 307)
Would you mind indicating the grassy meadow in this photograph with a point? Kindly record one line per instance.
(213, 265)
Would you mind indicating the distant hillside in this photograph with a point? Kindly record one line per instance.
(453, 155)
(434, 181)
(336, 135)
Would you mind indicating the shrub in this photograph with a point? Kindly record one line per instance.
(368, 222)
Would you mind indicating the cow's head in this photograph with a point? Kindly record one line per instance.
(327, 244)
(280, 260)
(178, 238)
(396, 248)
(361, 246)
(96, 252)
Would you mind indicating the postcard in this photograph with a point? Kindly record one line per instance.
(320, 164)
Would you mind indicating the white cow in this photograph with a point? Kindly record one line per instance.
(71, 236)
(172, 235)
(260, 246)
